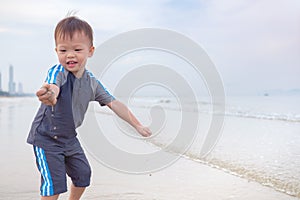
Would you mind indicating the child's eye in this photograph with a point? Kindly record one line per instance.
(78, 49)
(62, 50)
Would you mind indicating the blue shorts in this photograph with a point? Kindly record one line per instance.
(54, 165)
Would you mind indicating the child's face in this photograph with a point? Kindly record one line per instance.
(73, 53)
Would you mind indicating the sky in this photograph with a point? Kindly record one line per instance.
(255, 44)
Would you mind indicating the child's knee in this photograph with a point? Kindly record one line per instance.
(83, 178)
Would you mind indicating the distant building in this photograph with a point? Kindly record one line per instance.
(11, 83)
(20, 88)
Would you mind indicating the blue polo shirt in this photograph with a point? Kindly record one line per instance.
(55, 126)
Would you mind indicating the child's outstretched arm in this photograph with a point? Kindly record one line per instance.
(124, 113)
(48, 93)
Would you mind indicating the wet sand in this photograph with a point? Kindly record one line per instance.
(185, 179)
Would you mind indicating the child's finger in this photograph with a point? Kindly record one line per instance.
(46, 85)
(41, 91)
(145, 132)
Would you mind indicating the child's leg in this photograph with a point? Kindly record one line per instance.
(76, 192)
(53, 173)
(78, 168)
(55, 197)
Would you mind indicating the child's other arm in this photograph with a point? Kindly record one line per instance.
(48, 93)
(124, 113)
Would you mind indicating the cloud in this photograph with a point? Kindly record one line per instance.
(246, 39)
(3, 30)
(31, 10)
(253, 40)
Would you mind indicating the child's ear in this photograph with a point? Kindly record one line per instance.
(91, 51)
(55, 49)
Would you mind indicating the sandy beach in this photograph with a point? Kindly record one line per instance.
(185, 179)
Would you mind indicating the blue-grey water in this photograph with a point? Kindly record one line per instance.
(260, 142)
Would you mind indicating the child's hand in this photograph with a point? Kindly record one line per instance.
(144, 131)
(124, 113)
(46, 95)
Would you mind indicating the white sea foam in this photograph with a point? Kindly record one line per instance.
(260, 139)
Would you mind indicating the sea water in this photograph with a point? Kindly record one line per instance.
(260, 140)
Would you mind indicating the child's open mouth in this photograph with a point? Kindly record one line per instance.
(71, 63)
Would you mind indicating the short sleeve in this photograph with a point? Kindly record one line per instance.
(53, 75)
(102, 95)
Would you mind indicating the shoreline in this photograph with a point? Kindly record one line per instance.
(248, 178)
(185, 179)
(7, 95)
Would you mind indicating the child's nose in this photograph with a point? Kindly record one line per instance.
(70, 55)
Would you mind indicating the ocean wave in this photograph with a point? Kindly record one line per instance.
(207, 108)
(274, 179)
(290, 187)
(265, 116)
(287, 183)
